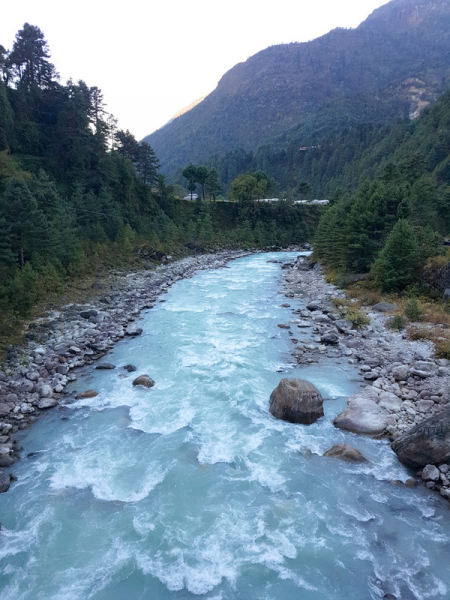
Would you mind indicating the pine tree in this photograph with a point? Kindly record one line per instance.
(397, 264)
(212, 184)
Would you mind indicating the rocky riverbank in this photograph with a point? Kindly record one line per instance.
(405, 389)
(34, 375)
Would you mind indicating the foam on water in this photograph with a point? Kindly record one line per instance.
(192, 489)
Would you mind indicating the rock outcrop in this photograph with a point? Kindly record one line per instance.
(296, 401)
(426, 443)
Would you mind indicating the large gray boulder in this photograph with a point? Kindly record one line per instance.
(362, 415)
(426, 443)
(144, 380)
(296, 401)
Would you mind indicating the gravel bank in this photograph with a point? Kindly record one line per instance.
(402, 382)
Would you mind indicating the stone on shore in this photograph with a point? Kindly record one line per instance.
(400, 373)
(144, 380)
(426, 443)
(362, 415)
(6, 460)
(430, 473)
(385, 307)
(133, 330)
(5, 409)
(86, 394)
(5, 482)
(330, 338)
(296, 401)
(47, 403)
(346, 453)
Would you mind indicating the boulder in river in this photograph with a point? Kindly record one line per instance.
(296, 401)
(86, 394)
(144, 380)
(5, 482)
(130, 368)
(105, 366)
(346, 453)
(362, 415)
(426, 443)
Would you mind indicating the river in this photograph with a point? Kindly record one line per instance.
(193, 490)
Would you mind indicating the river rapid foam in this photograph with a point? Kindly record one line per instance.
(192, 489)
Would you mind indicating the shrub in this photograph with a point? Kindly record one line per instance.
(397, 322)
(357, 317)
(412, 310)
(442, 348)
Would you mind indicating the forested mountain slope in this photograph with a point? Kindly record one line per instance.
(400, 212)
(392, 65)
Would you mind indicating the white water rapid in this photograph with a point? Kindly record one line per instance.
(193, 490)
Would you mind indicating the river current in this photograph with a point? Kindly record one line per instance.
(193, 490)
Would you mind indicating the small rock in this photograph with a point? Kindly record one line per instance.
(129, 368)
(385, 307)
(47, 403)
(330, 338)
(105, 366)
(5, 482)
(133, 330)
(313, 306)
(5, 409)
(400, 373)
(430, 473)
(6, 460)
(88, 313)
(86, 394)
(346, 453)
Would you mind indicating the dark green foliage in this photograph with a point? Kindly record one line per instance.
(397, 322)
(212, 184)
(76, 192)
(412, 310)
(397, 264)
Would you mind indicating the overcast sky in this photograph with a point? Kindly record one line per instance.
(153, 57)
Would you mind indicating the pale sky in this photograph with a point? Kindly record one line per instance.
(151, 58)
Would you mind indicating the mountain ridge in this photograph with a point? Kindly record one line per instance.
(392, 65)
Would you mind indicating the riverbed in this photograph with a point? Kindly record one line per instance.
(192, 489)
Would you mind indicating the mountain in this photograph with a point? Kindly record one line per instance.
(393, 65)
(185, 110)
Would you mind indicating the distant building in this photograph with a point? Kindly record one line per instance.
(320, 202)
(194, 197)
(269, 200)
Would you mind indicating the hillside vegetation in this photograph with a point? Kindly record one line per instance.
(296, 95)
(78, 194)
(397, 218)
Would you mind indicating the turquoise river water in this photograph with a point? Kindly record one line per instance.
(193, 490)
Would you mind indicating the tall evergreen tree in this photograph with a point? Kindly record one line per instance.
(397, 264)
(29, 59)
